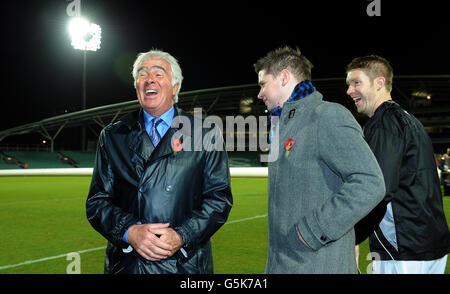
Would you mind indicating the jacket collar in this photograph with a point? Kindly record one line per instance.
(379, 111)
(138, 139)
(133, 119)
(383, 106)
(295, 108)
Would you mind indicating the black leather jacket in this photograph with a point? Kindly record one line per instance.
(405, 154)
(135, 182)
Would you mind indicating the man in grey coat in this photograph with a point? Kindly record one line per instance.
(325, 177)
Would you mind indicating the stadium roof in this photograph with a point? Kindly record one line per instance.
(427, 97)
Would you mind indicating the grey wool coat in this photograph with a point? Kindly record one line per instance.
(327, 183)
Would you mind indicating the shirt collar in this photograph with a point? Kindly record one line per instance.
(167, 117)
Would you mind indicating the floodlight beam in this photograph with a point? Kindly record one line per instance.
(85, 35)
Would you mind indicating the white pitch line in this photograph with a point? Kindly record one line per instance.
(103, 247)
(245, 219)
(40, 201)
(49, 258)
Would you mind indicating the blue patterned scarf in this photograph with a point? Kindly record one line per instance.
(303, 89)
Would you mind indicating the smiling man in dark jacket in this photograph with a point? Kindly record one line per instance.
(155, 198)
(408, 230)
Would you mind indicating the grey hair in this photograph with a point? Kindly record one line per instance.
(177, 76)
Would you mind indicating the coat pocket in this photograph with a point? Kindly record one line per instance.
(295, 239)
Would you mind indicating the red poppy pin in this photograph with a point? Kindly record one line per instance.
(288, 145)
(177, 146)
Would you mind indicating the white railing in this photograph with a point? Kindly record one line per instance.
(251, 172)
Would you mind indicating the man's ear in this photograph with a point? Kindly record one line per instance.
(285, 77)
(379, 83)
(175, 88)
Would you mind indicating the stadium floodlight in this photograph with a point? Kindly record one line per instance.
(85, 35)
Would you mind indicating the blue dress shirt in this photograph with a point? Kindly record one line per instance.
(164, 126)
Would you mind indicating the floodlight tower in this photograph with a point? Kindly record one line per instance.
(87, 37)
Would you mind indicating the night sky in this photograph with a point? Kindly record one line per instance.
(216, 43)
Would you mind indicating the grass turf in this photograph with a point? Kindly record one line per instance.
(43, 218)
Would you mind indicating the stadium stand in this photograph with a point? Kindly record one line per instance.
(39, 159)
(78, 159)
(427, 97)
(11, 161)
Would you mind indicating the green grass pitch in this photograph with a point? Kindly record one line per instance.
(42, 219)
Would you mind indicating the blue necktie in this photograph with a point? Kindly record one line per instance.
(154, 135)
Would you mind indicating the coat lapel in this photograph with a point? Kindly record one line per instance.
(138, 140)
(146, 146)
(165, 146)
